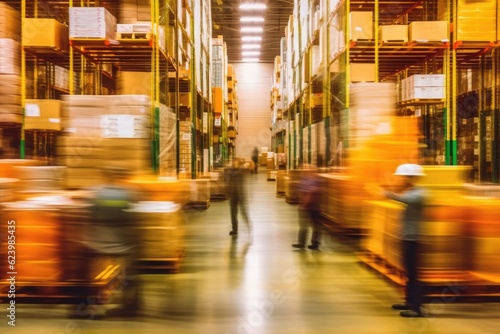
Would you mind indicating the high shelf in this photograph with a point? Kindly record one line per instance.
(161, 49)
(331, 45)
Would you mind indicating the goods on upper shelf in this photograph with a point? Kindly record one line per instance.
(91, 22)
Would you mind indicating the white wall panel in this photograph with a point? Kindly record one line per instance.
(254, 107)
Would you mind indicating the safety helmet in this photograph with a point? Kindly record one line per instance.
(409, 170)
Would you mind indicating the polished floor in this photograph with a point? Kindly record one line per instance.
(261, 285)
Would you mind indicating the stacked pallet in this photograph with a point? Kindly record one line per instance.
(163, 189)
(37, 180)
(103, 131)
(160, 229)
(372, 103)
(38, 247)
(10, 66)
(217, 184)
(91, 22)
(379, 141)
(485, 232)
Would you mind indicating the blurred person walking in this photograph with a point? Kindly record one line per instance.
(309, 209)
(255, 159)
(412, 216)
(235, 177)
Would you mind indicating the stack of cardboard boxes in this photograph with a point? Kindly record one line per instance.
(423, 86)
(105, 130)
(10, 66)
(91, 22)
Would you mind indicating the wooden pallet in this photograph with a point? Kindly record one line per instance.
(134, 35)
(428, 42)
(396, 42)
(381, 266)
(66, 292)
(440, 286)
(421, 101)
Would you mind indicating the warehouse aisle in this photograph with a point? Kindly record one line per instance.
(261, 285)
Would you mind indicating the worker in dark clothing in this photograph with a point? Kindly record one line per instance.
(255, 159)
(235, 178)
(309, 209)
(414, 199)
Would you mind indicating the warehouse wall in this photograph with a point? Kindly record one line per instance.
(253, 82)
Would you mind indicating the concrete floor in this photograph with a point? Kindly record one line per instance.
(261, 285)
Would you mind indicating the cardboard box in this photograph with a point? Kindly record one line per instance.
(429, 80)
(361, 25)
(43, 108)
(10, 48)
(10, 21)
(11, 99)
(84, 173)
(10, 66)
(91, 22)
(118, 101)
(428, 31)
(316, 99)
(45, 33)
(42, 123)
(121, 27)
(185, 99)
(10, 80)
(6, 117)
(426, 93)
(129, 143)
(363, 72)
(476, 20)
(134, 83)
(218, 100)
(394, 33)
(85, 100)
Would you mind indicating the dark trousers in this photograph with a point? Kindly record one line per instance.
(236, 202)
(309, 219)
(410, 262)
(255, 164)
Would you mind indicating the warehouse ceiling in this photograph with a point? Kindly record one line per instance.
(225, 21)
(226, 16)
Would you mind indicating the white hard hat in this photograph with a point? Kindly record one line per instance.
(409, 170)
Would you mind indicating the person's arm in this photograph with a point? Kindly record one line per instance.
(412, 196)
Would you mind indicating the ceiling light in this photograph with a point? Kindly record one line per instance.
(250, 46)
(251, 38)
(250, 53)
(250, 60)
(250, 6)
(252, 19)
(251, 29)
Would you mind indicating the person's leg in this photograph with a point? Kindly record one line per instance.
(410, 262)
(303, 228)
(316, 229)
(233, 202)
(244, 212)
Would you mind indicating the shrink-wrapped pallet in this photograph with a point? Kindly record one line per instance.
(104, 130)
(91, 22)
